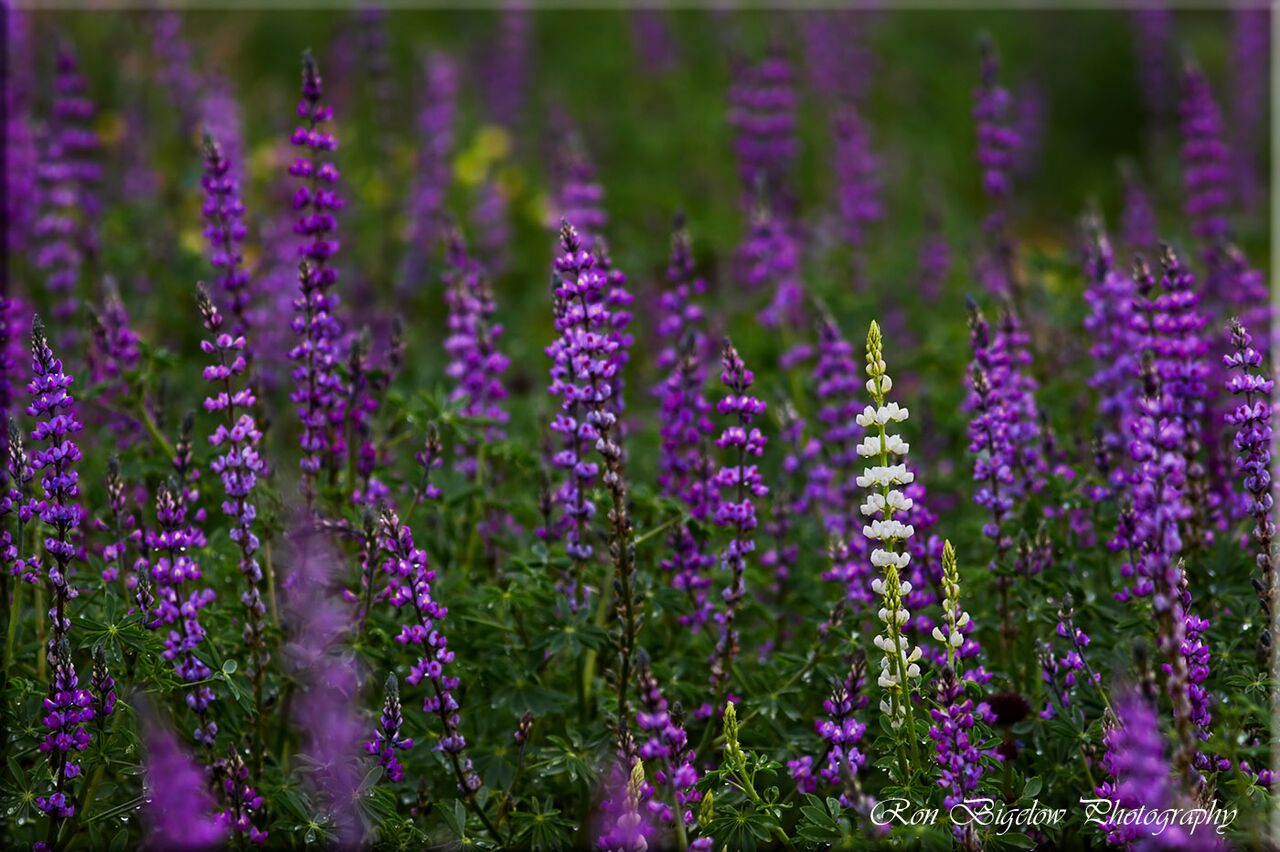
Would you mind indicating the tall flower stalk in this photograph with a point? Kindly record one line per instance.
(225, 231)
(236, 438)
(589, 367)
(318, 394)
(476, 364)
(684, 468)
(409, 581)
(1251, 418)
(899, 666)
(740, 485)
(998, 142)
(67, 706)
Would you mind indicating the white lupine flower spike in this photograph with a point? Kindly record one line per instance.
(885, 474)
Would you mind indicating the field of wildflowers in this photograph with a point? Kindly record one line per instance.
(636, 429)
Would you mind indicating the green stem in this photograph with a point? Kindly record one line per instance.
(156, 435)
(11, 637)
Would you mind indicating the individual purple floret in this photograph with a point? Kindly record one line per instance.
(476, 364)
(318, 393)
(1251, 418)
(388, 738)
(225, 231)
(740, 484)
(1206, 163)
(762, 113)
(684, 425)
(434, 167)
(66, 229)
(179, 810)
(998, 142)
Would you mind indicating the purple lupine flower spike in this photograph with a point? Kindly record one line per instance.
(15, 500)
(179, 810)
(318, 393)
(1110, 295)
(1251, 73)
(762, 112)
(1140, 777)
(167, 558)
(684, 470)
(857, 173)
(998, 143)
(583, 321)
(409, 581)
(1251, 418)
(225, 231)
(1153, 42)
(490, 220)
(68, 707)
(67, 173)
(388, 738)
(328, 681)
(476, 363)
(241, 801)
(841, 731)
(1206, 164)
(508, 69)
(740, 485)
(935, 258)
(22, 159)
(667, 748)
(177, 67)
(1138, 218)
(1159, 496)
(434, 168)
(236, 439)
(580, 196)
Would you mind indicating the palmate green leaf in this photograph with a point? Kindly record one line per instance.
(542, 827)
